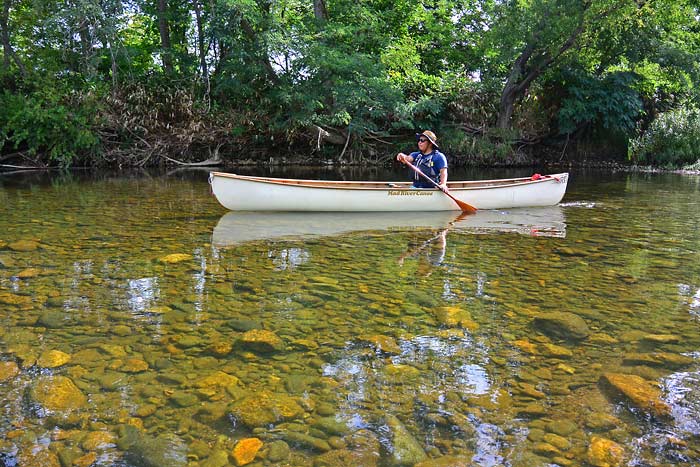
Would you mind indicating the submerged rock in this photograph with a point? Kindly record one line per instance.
(447, 461)
(36, 456)
(665, 359)
(175, 258)
(278, 451)
(260, 340)
(545, 449)
(23, 245)
(600, 421)
(344, 458)
(400, 373)
(601, 338)
(28, 273)
(8, 370)
(265, 408)
(331, 426)
(57, 394)
(298, 383)
(215, 458)
(5, 261)
(220, 348)
(144, 450)
(53, 359)
(134, 365)
(184, 399)
(243, 325)
(306, 441)
(362, 450)
(406, 451)
(381, 343)
(245, 450)
(638, 391)
(661, 339)
(453, 316)
(567, 326)
(603, 452)
(557, 441)
(53, 319)
(528, 390)
(555, 351)
(562, 427)
(98, 440)
(13, 299)
(218, 379)
(526, 346)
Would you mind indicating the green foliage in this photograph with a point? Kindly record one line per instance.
(694, 166)
(672, 140)
(274, 70)
(47, 123)
(611, 102)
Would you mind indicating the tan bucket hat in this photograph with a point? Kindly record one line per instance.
(431, 136)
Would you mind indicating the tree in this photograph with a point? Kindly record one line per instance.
(164, 30)
(9, 54)
(549, 29)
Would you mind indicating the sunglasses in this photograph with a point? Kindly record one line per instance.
(422, 140)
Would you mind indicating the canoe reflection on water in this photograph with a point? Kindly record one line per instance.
(239, 227)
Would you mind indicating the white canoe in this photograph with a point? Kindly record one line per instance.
(245, 193)
(235, 228)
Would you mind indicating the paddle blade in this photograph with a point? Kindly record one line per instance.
(465, 207)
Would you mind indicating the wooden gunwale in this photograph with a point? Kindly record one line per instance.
(363, 185)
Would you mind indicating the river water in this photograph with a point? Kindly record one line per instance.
(143, 325)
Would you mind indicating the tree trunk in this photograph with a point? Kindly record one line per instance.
(523, 72)
(5, 34)
(505, 110)
(320, 10)
(200, 41)
(115, 76)
(86, 47)
(263, 57)
(164, 30)
(512, 88)
(8, 53)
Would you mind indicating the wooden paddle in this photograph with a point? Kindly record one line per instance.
(467, 208)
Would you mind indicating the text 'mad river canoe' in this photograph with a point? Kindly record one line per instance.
(246, 193)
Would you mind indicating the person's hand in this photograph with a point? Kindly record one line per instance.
(443, 187)
(401, 157)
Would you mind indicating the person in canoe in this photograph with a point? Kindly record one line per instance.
(429, 160)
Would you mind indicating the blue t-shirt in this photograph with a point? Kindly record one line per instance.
(430, 164)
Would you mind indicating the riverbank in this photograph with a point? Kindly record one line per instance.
(609, 165)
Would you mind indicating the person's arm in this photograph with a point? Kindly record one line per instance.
(443, 179)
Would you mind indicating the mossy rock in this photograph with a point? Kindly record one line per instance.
(566, 326)
(265, 408)
(175, 258)
(57, 394)
(144, 450)
(406, 451)
(53, 359)
(638, 391)
(603, 452)
(8, 370)
(261, 340)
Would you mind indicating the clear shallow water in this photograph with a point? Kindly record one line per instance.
(182, 330)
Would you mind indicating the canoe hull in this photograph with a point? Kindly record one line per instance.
(243, 193)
